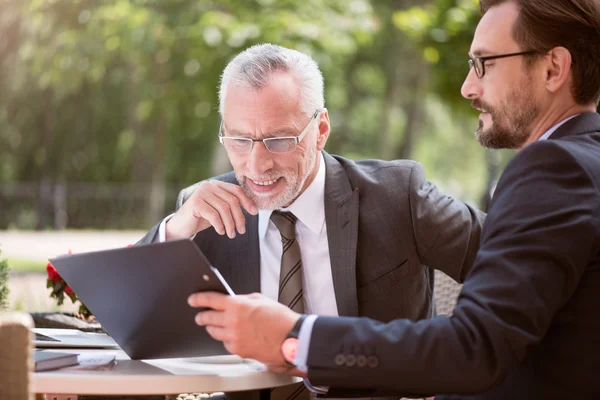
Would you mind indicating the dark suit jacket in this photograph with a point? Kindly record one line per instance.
(527, 322)
(384, 223)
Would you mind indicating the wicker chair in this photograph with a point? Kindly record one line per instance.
(15, 356)
(446, 293)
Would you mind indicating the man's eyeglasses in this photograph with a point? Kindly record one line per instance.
(278, 145)
(478, 63)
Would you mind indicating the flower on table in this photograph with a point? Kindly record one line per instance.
(60, 288)
(52, 273)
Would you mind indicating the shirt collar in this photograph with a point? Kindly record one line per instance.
(309, 207)
(550, 131)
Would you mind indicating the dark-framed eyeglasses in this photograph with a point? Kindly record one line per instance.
(478, 63)
(277, 145)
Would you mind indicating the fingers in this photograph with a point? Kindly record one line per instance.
(218, 213)
(239, 322)
(239, 193)
(218, 333)
(210, 318)
(214, 321)
(212, 300)
(279, 368)
(285, 369)
(229, 207)
(220, 204)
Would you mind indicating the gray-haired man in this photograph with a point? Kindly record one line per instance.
(364, 234)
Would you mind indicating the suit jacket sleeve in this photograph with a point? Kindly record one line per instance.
(447, 231)
(541, 232)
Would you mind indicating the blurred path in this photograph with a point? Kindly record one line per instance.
(41, 245)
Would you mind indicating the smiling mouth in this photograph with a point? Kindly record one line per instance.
(264, 183)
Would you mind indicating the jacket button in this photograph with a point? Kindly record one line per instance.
(372, 361)
(361, 361)
(350, 360)
(340, 360)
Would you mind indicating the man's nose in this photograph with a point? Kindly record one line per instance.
(471, 88)
(260, 159)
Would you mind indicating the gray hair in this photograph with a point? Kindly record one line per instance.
(254, 67)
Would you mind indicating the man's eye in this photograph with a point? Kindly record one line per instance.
(237, 142)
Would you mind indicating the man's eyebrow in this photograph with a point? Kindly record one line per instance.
(479, 52)
(280, 132)
(233, 132)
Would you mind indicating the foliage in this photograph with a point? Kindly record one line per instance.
(443, 31)
(4, 276)
(124, 91)
(20, 265)
(124, 85)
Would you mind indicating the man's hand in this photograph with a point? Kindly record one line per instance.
(213, 203)
(288, 370)
(251, 326)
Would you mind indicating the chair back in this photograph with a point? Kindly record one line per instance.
(15, 356)
(446, 292)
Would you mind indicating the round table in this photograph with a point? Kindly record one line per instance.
(159, 377)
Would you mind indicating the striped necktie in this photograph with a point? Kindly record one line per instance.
(290, 275)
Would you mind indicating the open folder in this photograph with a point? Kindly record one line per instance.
(139, 295)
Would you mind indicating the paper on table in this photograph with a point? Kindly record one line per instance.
(218, 365)
(96, 361)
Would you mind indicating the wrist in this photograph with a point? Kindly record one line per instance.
(175, 230)
(289, 345)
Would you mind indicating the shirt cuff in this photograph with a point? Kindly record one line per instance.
(301, 358)
(315, 389)
(162, 229)
(304, 335)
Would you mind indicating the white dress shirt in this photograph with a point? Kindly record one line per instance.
(311, 234)
(550, 131)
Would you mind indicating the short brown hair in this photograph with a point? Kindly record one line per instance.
(573, 24)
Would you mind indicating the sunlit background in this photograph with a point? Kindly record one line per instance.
(109, 107)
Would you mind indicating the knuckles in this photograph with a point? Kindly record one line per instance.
(233, 201)
(203, 186)
(223, 206)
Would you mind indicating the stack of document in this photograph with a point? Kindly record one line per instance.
(47, 360)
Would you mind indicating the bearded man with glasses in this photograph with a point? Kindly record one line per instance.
(526, 323)
(365, 235)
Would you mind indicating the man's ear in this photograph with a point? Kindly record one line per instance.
(558, 68)
(324, 129)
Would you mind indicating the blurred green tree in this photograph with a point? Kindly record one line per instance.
(125, 91)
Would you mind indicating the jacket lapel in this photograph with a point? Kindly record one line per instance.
(341, 217)
(587, 122)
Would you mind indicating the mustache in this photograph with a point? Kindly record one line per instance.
(478, 104)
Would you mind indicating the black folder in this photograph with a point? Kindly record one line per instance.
(139, 296)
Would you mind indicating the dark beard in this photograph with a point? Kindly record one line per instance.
(513, 135)
(497, 139)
